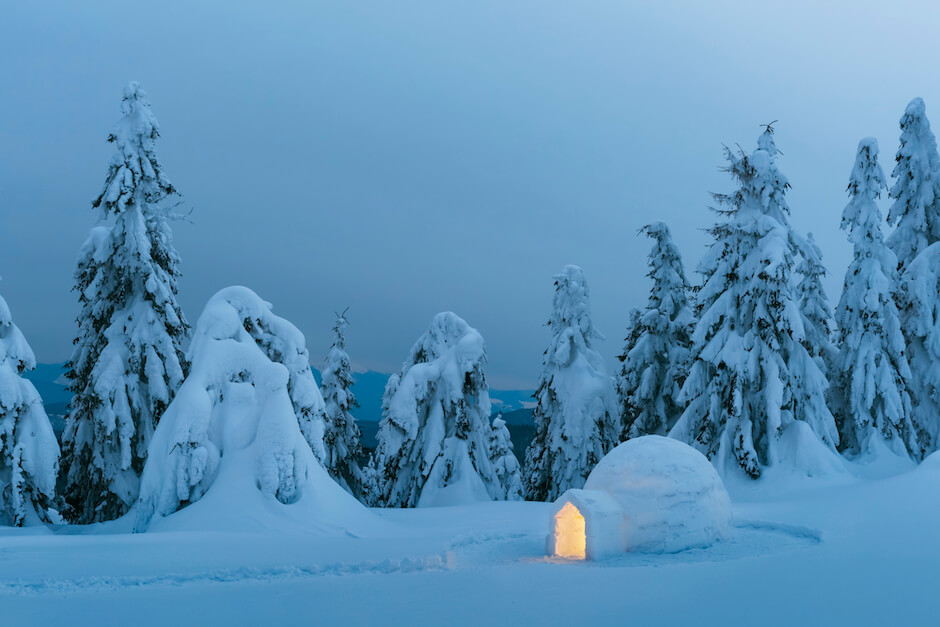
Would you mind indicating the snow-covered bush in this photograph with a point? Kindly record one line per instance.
(342, 438)
(655, 358)
(575, 419)
(504, 461)
(128, 360)
(751, 376)
(29, 453)
(434, 435)
(871, 372)
(239, 425)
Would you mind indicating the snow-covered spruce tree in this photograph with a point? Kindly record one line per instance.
(29, 452)
(871, 369)
(918, 298)
(752, 380)
(504, 461)
(916, 210)
(624, 381)
(576, 423)
(814, 305)
(370, 483)
(434, 434)
(240, 421)
(128, 362)
(342, 438)
(655, 358)
(916, 189)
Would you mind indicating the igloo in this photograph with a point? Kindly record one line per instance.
(650, 494)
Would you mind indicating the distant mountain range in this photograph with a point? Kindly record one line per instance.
(516, 405)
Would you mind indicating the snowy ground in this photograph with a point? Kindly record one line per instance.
(849, 551)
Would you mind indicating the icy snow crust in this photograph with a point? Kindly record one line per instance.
(233, 450)
(671, 496)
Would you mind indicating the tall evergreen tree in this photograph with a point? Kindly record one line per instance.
(342, 439)
(29, 452)
(434, 435)
(656, 355)
(623, 383)
(576, 423)
(751, 377)
(918, 298)
(814, 306)
(916, 189)
(916, 211)
(128, 360)
(872, 368)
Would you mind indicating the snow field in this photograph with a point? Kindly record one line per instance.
(854, 551)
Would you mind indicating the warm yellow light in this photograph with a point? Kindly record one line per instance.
(569, 533)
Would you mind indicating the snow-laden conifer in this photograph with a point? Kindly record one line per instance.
(342, 439)
(128, 360)
(814, 305)
(916, 189)
(576, 422)
(655, 358)
(504, 461)
(29, 452)
(871, 372)
(918, 298)
(243, 417)
(751, 378)
(625, 381)
(371, 492)
(916, 211)
(433, 439)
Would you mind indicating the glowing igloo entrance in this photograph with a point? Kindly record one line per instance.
(570, 540)
(585, 525)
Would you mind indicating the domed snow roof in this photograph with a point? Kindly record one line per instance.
(672, 497)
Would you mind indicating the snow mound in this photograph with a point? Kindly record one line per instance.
(671, 496)
(801, 450)
(231, 451)
(931, 464)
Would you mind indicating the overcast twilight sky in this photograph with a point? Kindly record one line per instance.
(405, 158)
